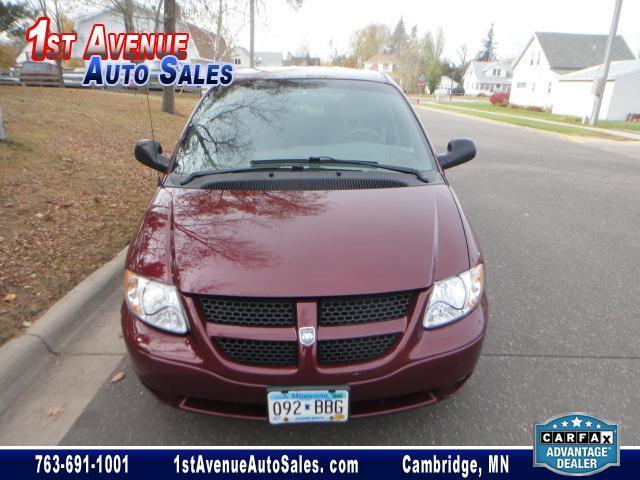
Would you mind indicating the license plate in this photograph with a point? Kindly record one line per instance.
(308, 405)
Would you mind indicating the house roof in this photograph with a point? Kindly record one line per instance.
(616, 70)
(382, 58)
(575, 51)
(448, 81)
(204, 41)
(241, 49)
(483, 70)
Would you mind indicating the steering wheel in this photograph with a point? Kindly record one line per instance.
(362, 131)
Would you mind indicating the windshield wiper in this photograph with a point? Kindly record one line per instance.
(212, 171)
(326, 160)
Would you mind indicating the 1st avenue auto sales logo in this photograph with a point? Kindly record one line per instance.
(576, 444)
(119, 58)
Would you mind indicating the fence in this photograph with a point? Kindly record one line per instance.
(73, 79)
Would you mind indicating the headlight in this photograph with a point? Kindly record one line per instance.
(454, 297)
(155, 303)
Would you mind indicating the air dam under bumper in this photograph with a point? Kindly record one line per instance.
(184, 372)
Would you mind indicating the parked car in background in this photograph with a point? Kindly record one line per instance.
(458, 91)
(304, 258)
(38, 74)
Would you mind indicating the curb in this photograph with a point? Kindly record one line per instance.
(22, 358)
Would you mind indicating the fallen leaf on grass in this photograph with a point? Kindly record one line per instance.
(117, 377)
(10, 297)
(55, 410)
(26, 324)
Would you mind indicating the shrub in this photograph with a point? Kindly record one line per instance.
(499, 99)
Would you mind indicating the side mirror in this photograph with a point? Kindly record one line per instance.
(149, 153)
(459, 150)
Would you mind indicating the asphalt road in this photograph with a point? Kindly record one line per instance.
(559, 224)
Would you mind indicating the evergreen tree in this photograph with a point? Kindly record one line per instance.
(489, 44)
(398, 38)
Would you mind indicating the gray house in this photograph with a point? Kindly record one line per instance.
(240, 58)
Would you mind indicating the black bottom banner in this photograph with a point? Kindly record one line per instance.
(357, 463)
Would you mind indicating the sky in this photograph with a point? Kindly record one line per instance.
(464, 22)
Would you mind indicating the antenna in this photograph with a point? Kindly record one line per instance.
(153, 137)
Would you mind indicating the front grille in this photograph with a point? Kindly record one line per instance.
(265, 353)
(249, 312)
(363, 309)
(300, 184)
(358, 349)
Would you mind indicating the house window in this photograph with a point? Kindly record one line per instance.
(533, 87)
(538, 60)
(549, 88)
(521, 85)
(386, 67)
(496, 72)
(531, 61)
(237, 61)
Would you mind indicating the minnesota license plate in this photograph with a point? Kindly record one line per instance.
(308, 404)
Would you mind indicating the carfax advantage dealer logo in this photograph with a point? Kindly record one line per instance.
(576, 444)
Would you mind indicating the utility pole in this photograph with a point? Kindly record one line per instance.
(169, 93)
(601, 82)
(252, 30)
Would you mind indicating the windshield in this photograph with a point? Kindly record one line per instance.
(298, 119)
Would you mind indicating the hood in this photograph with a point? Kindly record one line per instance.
(301, 243)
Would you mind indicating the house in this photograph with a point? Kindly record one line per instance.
(240, 58)
(301, 61)
(549, 55)
(201, 48)
(383, 62)
(573, 93)
(446, 84)
(484, 78)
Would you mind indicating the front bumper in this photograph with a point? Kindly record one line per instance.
(425, 367)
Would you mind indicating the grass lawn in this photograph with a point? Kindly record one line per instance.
(71, 192)
(487, 107)
(525, 122)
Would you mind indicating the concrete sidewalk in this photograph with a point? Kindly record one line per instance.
(607, 131)
(62, 390)
(49, 374)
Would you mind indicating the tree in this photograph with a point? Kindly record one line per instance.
(222, 27)
(488, 52)
(398, 38)
(460, 70)
(410, 61)
(338, 59)
(433, 48)
(169, 93)
(10, 15)
(366, 42)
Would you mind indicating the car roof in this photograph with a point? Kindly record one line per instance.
(291, 73)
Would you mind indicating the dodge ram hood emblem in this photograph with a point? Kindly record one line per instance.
(307, 336)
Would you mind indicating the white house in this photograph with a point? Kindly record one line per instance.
(201, 47)
(573, 94)
(384, 62)
(484, 78)
(446, 84)
(549, 55)
(240, 58)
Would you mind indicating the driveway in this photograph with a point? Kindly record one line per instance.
(558, 222)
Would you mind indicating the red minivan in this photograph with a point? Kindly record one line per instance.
(304, 258)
